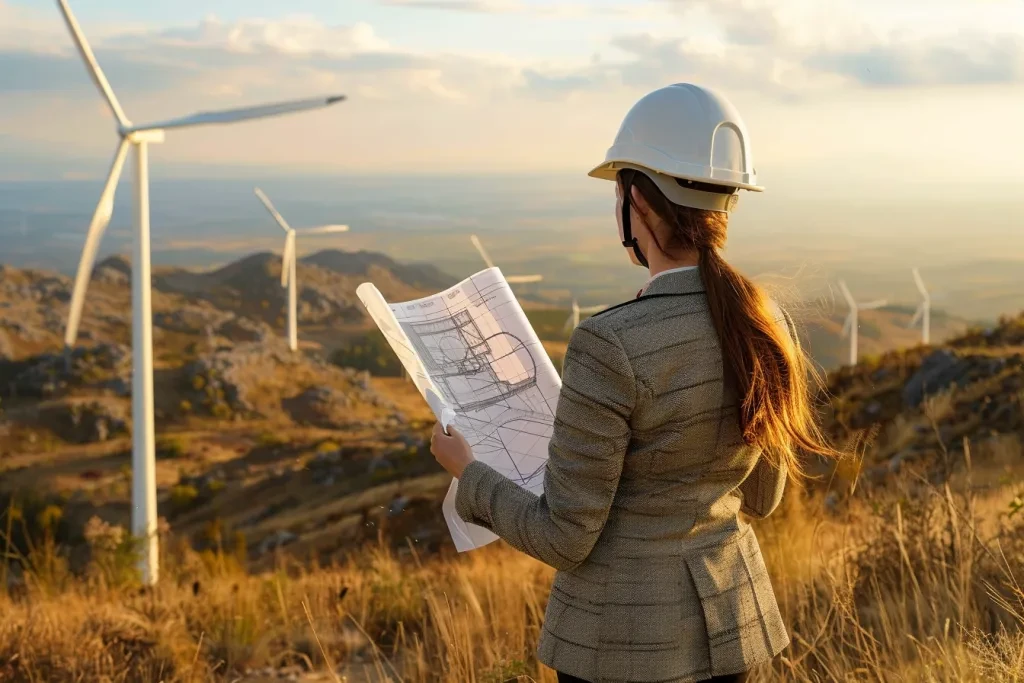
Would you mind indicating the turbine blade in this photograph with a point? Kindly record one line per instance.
(917, 316)
(287, 256)
(568, 324)
(98, 225)
(848, 325)
(483, 253)
(873, 304)
(920, 283)
(323, 230)
(520, 279)
(846, 295)
(270, 207)
(593, 309)
(92, 65)
(262, 111)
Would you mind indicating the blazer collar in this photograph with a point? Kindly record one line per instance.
(678, 282)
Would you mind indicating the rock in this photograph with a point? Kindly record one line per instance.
(48, 374)
(321, 407)
(944, 369)
(242, 329)
(116, 270)
(398, 506)
(276, 540)
(364, 381)
(938, 371)
(87, 421)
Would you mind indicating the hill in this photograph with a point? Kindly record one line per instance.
(305, 543)
(367, 264)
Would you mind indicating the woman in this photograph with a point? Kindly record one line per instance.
(678, 410)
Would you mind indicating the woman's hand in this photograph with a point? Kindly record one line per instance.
(451, 450)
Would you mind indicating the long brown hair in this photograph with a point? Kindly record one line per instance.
(769, 370)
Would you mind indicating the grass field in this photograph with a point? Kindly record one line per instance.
(918, 585)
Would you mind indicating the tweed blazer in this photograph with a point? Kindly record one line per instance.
(659, 576)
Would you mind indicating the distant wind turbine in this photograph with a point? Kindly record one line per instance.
(511, 279)
(573, 321)
(288, 261)
(924, 310)
(850, 326)
(144, 520)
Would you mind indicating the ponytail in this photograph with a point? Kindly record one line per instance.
(762, 359)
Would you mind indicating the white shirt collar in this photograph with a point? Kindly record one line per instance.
(664, 272)
(670, 270)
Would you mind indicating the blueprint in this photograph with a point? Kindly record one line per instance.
(474, 357)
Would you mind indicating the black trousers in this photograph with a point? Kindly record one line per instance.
(731, 678)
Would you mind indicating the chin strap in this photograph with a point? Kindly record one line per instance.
(627, 231)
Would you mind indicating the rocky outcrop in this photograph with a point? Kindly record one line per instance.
(242, 329)
(944, 369)
(87, 421)
(48, 375)
(252, 378)
(323, 407)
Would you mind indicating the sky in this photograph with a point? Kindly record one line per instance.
(915, 98)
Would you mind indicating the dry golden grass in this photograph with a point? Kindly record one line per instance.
(918, 586)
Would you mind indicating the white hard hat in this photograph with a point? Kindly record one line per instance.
(687, 132)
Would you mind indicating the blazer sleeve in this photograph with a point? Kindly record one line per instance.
(762, 490)
(586, 453)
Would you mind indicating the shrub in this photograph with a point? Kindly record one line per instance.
(171, 447)
(271, 439)
(183, 495)
(370, 352)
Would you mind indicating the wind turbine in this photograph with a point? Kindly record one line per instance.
(850, 326)
(288, 259)
(924, 311)
(511, 279)
(573, 321)
(144, 520)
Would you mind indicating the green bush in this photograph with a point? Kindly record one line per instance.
(269, 439)
(183, 495)
(370, 352)
(171, 447)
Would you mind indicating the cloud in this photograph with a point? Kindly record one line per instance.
(473, 6)
(295, 35)
(974, 60)
(793, 50)
(249, 58)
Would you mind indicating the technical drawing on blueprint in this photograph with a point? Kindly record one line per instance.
(472, 354)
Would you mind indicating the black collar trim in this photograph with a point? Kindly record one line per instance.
(644, 298)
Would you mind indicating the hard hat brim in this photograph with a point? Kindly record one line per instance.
(691, 197)
(609, 169)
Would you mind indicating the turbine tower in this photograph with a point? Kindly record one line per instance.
(511, 279)
(288, 261)
(924, 310)
(144, 519)
(850, 326)
(573, 321)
